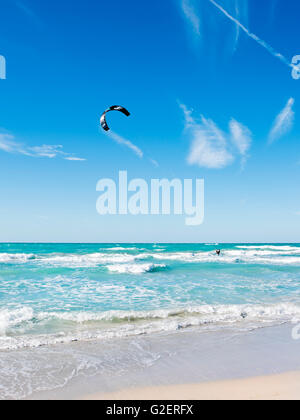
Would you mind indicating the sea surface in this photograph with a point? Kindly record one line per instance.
(55, 295)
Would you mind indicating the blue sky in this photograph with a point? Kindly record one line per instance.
(211, 93)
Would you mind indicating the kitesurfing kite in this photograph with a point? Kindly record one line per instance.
(112, 108)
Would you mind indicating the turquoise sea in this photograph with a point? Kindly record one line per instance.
(57, 294)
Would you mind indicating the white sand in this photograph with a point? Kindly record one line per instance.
(277, 387)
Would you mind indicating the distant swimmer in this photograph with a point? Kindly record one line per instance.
(218, 252)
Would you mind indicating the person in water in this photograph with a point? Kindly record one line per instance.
(218, 252)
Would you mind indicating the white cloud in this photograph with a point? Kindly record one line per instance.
(204, 24)
(209, 147)
(283, 122)
(236, 11)
(188, 116)
(75, 159)
(241, 12)
(10, 145)
(154, 162)
(7, 144)
(191, 15)
(253, 36)
(208, 143)
(120, 140)
(45, 151)
(241, 137)
(212, 148)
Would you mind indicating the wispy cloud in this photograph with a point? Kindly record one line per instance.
(190, 13)
(131, 146)
(203, 24)
(241, 137)
(274, 4)
(283, 122)
(208, 146)
(264, 44)
(121, 140)
(21, 5)
(75, 159)
(241, 14)
(8, 144)
(28, 11)
(212, 148)
(154, 162)
(195, 11)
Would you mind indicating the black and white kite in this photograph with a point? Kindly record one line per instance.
(112, 108)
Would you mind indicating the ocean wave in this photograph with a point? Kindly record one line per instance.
(274, 247)
(75, 260)
(262, 252)
(249, 254)
(233, 257)
(89, 260)
(120, 248)
(136, 268)
(16, 258)
(217, 312)
(119, 324)
(13, 318)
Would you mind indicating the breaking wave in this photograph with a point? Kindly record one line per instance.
(136, 268)
(118, 324)
(116, 258)
(16, 258)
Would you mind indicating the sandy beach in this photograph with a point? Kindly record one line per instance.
(276, 387)
(253, 365)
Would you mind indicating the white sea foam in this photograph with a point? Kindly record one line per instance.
(274, 247)
(234, 256)
(87, 260)
(120, 248)
(260, 254)
(136, 268)
(218, 312)
(12, 318)
(16, 258)
(78, 260)
(133, 323)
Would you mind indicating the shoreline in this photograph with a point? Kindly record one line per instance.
(259, 364)
(284, 386)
